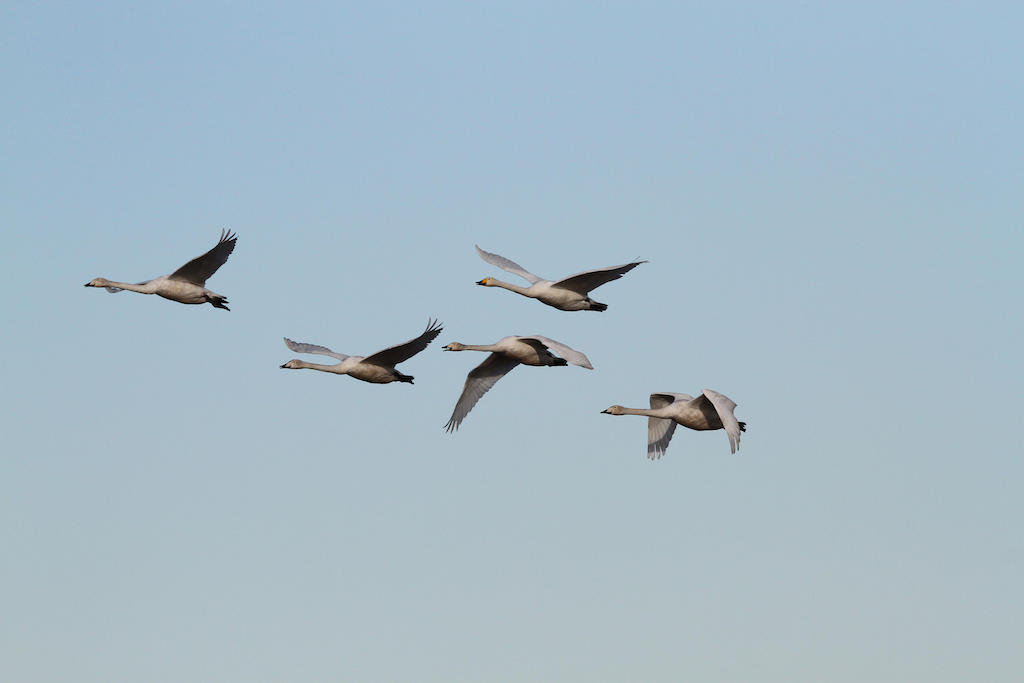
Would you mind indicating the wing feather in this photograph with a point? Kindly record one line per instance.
(583, 283)
(300, 347)
(725, 407)
(660, 429)
(201, 268)
(505, 264)
(568, 353)
(393, 355)
(478, 382)
(659, 433)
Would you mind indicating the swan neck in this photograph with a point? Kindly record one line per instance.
(131, 287)
(323, 368)
(639, 411)
(478, 347)
(509, 286)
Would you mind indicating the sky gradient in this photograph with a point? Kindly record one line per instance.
(829, 199)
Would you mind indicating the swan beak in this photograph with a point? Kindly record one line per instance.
(482, 282)
(283, 366)
(86, 284)
(605, 411)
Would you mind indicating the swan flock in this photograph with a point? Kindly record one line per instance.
(710, 410)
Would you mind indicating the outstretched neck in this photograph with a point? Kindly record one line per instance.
(492, 282)
(476, 347)
(336, 368)
(141, 287)
(649, 412)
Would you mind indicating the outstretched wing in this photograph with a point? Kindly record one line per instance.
(478, 382)
(505, 264)
(299, 347)
(393, 355)
(725, 406)
(201, 268)
(582, 283)
(660, 429)
(566, 352)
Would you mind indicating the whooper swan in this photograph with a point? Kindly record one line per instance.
(187, 284)
(710, 410)
(568, 294)
(507, 353)
(378, 368)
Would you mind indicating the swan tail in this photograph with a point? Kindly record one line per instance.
(743, 426)
(557, 362)
(399, 377)
(596, 306)
(217, 301)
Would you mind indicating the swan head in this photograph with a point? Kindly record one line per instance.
(98, 282)
(614, 410)
(293, 365)
(454, 346)
(487, 282)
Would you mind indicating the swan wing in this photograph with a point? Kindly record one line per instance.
(725, 406)
(660, 429)
(568, 353)
(582, 283)
(198, 270)
(505, 264)
(478, 382)
(667, 398)
(299, 347)
(402, 352)
(659, 433)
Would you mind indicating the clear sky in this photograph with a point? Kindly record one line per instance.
(830, 200)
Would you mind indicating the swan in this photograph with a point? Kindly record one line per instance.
(568, 294)
(378, 368)
(507, 353)
(710, 410)
(187, 284)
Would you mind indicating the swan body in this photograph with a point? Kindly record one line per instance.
(186, 285)
(710, 410)
(377, 368)
(568, 294)
(505, 354)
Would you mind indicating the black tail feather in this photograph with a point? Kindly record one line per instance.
(218, 301)
(399, 377)
(596, 306)
(743, 426)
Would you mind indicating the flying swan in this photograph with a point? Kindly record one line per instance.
(568, 294)
(378, 368)
(710, 410)
(186, 285)
(507, 353)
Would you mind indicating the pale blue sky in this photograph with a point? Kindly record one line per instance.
(830, 200)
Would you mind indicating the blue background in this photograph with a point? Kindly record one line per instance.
(830, 200)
